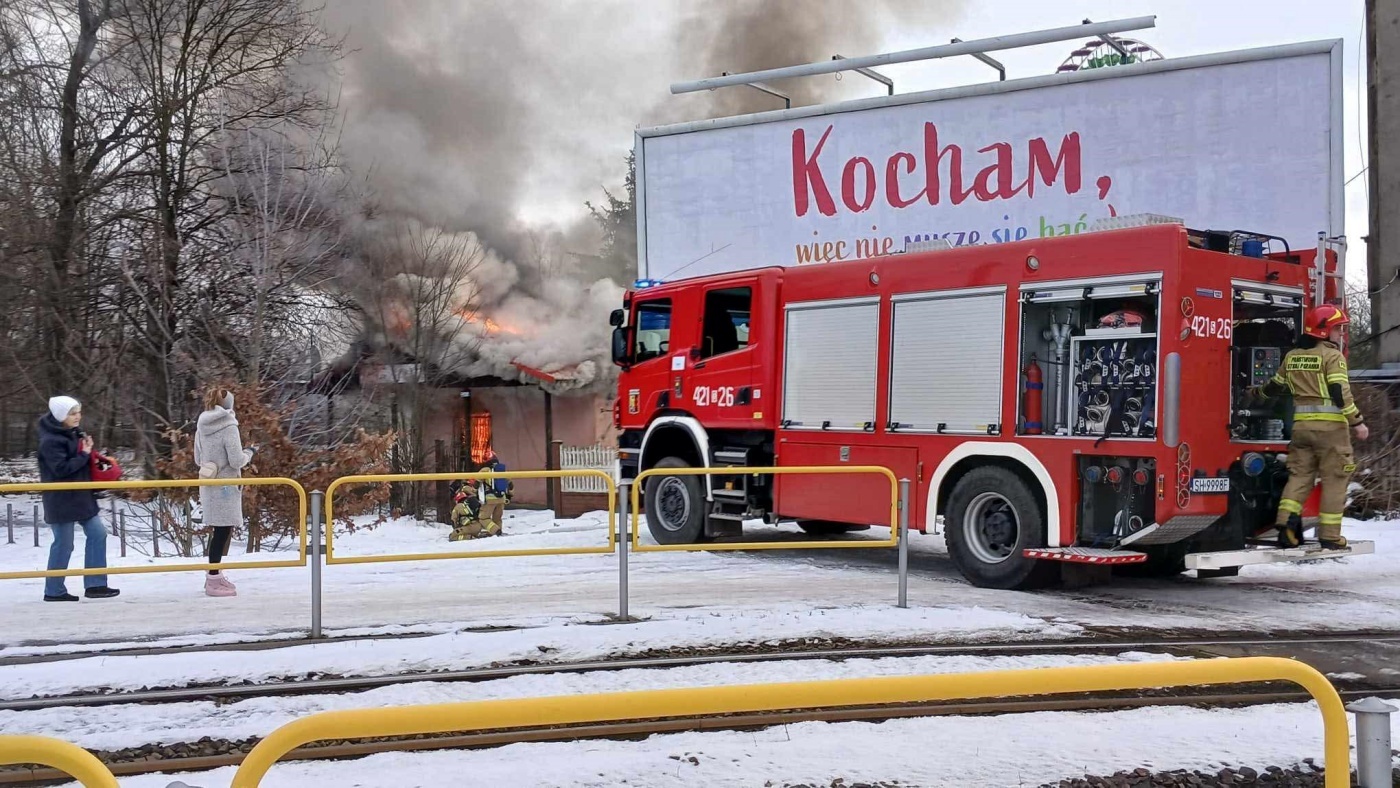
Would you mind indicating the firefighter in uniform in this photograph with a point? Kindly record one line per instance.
(466, 515)
(498, 491)
(1315, 373)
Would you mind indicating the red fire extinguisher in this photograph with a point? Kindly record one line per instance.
(1034, 391)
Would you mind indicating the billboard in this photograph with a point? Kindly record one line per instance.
(1248, 140)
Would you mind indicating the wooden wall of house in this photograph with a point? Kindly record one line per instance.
(518, 428)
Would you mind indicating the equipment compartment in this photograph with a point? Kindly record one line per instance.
(1097, 342)
(1266, 326)
(1116, 498)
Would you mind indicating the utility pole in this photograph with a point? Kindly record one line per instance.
(1383, 140)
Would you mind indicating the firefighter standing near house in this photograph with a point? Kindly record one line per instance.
(1315, 373)
(499, 492)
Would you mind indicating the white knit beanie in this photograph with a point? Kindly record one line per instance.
(60, 407)
(228, 400)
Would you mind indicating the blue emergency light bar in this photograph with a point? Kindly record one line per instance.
(642, 284)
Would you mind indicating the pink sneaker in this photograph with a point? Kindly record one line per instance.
(216, 585)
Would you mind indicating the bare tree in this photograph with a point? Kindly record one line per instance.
(422, 294)
(205, 69)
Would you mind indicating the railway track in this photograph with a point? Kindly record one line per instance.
(1184, 646)
(196, 756)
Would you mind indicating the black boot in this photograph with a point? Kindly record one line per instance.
(101, 592)
(64, 597)
(1290, 534)
(1340, 543)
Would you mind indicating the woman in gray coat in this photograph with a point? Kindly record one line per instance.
(219, 453)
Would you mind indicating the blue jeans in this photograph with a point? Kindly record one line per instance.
(94, 554)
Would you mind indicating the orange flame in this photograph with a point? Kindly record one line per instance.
(491, 326)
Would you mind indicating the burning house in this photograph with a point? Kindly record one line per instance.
(460, 350)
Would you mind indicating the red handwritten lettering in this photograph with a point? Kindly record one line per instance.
(933, 156)
(892, 179)
(848, 184)
(997, 178)
(806, 173)
(1068, 159)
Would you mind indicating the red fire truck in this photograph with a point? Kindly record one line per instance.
(1068, 402)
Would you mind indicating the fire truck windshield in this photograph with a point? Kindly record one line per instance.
(653, 334)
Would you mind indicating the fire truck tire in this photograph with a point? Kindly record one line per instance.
(827, 528)
(676, 505)
(992, 517)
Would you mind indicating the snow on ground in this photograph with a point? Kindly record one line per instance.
(132, 725)
(445, 595)
(463, 650)
(956, 752)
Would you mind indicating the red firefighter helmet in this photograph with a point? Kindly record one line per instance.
(1123, 318)
(459, 497)
(1322, 319)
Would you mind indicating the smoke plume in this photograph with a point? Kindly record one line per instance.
(499, 119)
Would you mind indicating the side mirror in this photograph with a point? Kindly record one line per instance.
(619, 346)
(617, 318)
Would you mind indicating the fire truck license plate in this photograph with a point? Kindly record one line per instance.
(1214, 484)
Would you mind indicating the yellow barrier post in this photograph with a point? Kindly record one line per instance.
(163, 484)
(332, 558)
(707, 701)
(70, 759)
(794, 470)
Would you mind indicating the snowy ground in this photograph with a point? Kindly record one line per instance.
(980, 752)
(492, 611)
(132, 725)
(1358, 593)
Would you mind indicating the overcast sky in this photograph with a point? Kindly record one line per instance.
(481, 113)
(1183, 27)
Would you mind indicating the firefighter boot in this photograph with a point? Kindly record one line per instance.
(1290, 534)
(1330, 537)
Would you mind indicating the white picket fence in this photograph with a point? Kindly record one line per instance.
(597, 458)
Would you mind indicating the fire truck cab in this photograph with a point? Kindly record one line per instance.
(1073, 401)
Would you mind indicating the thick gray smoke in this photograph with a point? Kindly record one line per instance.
(501, 117)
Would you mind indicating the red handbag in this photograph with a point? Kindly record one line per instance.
(104, 468)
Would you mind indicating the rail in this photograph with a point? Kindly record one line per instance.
(68, 758)
(164, 484)
(840, 693)
(796, 470)
(332, 558)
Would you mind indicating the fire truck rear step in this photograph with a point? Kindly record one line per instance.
(732, 495)
(1273, 555)
(1086, 555)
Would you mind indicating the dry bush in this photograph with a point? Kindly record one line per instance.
(271, 512)
(1375, 490)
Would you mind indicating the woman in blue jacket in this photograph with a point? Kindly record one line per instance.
(65, 455)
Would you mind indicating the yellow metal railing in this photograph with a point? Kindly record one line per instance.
(67, 758)
(332, 558)
(706, 701)
(162, 484)
(639, 483)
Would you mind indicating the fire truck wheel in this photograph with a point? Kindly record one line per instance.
(675, 505)
(992, 518)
